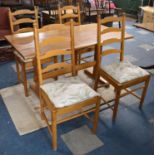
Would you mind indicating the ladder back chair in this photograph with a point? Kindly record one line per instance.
(73, 12)
(58, 96)
(17, 19)
(69, 12)
(121, 75)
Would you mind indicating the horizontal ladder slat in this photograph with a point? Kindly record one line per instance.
(110, 41)
(111, 29)
(20, 12)
(69, 16)
(110, 51)
(52, 27)
(26, 29)
(111, 19)
(69, 7)
(53, 40)
(23, 20)
(74, 23)
(56, 66)
(53, 53)
(57, 73)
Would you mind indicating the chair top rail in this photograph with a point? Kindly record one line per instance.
(69, 16)
(111, 19)
(22, 12)
(51, 27)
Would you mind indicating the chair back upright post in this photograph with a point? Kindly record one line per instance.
(52, 70)
(69, 12)
(15, 23)
(122, 37)
(102, 41)
(99, 39)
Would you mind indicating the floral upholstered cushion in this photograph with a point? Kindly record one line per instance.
(124, 71)
(68, 91)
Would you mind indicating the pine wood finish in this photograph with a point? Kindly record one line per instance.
(118, 86)
(15, 25)
(85, 36)
(15, 22)
(69, 12)
(54, 70)
(73, 12)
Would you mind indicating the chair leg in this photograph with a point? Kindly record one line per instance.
(56, 60)
(144, 92)
(97, 77)
(41, 107)
(18, 69)
(79, 59)
(76, 61)
(96, 116)
(25, 83)
(116, 105)
(54, 130)
(96, 70)
(62, 58)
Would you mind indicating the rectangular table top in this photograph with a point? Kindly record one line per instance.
(85, 36)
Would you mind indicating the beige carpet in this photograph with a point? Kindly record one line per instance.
(79, 141)
(25, 112)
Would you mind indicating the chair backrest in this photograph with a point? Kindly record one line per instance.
(50, 48)
(105, 36)
(20, 17)
(69, 12)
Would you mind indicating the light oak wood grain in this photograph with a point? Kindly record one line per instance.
(85, 36)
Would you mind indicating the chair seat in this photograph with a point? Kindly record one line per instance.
(68, 91)
(124, 71)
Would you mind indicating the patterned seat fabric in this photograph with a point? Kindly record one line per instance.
(68, 91)
(124, 71)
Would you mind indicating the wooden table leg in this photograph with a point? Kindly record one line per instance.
(18, 69)
(25, 83)
(21, 73)
(35, 85)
